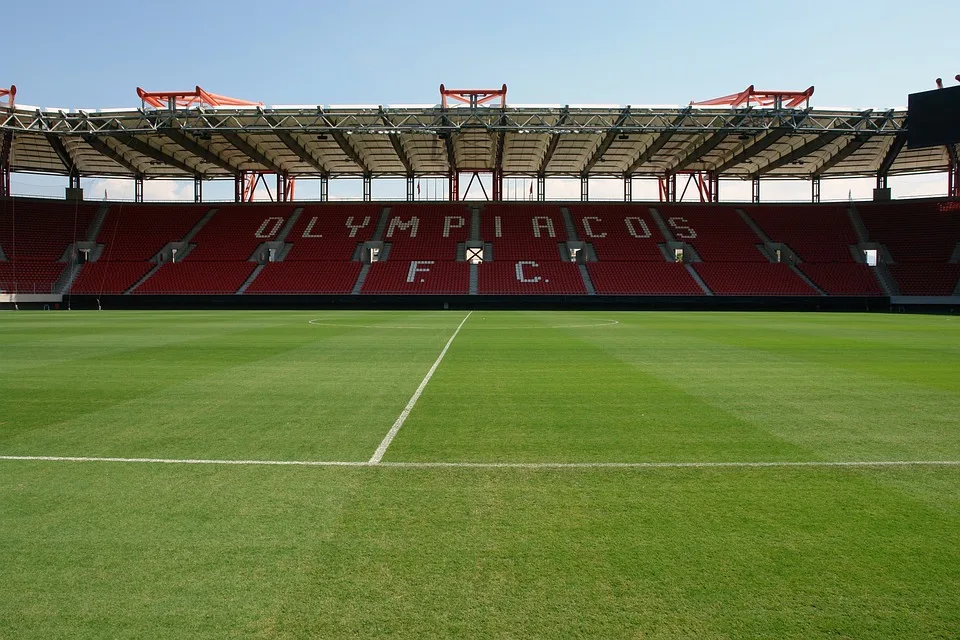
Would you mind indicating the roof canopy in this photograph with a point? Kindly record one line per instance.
(220, 142)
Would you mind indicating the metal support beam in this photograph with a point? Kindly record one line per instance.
(144, 148)
(953, 172)
(552, 145)
(367, 187)
(138, 189)
(253, 153)
(411, 196)
(628, 188)
(852, 146)
(294, 145)
(606, 143)
(668, 188)
(751, 150)
(497, 178)
(100, 146)
(190, 144)
(895, 148)
(584, 188)
(815, 190)
(710, 143)
(755, 192)
(238, 185)
(324, 188)
(541, 187)
(454, 186)
(350, 152)
(714, 182)
(654, 147)
(6, 145)
(798, 154)
(74, 181)
(198, 190)
(56, 143)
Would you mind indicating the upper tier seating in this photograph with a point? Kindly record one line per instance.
(717, 232)
(235, 231)
(642, 278)
(815, 233)
(430, 232)
(406, 276)
(331, 232)
(306, 277)
(133, 233)
(619, 232)
(913, 231)
(529, 277)
(523, 231)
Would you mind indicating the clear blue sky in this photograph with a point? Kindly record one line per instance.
(89, 55)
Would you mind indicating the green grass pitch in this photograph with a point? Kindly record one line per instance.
(409, 549)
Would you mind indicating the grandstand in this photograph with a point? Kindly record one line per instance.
(492, 248)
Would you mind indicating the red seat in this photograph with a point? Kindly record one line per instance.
(530, 277)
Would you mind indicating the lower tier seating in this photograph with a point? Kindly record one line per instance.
(29, 276)
(197, 277)
(109, 277)
(642, 278)
(843, 279)
(529, 277)
(926, 279)
(758, 279)
(418, 277)
(306, 277)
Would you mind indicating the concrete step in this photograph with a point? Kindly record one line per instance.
(143, 279)
(886, 280)
(288, 225)
(587, 282)
(474, 223)
(381, 224)
(97, 223)
(662, 225)
(250, 279)
(754, 226)
(568, 224)
(65, 282)
(862, 234)
(696, 276)
(196, 228)
(364, 270)
(804, 277)
(474, 278)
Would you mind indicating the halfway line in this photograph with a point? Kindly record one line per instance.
(502, 465)
(382, 449)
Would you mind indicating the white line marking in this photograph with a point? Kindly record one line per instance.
(382, 449)
(503, 465)
(498, 327)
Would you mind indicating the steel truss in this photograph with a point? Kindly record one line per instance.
(202, 136)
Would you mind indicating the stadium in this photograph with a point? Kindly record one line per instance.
(543, 371)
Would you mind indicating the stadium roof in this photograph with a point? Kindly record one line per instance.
(377, 141)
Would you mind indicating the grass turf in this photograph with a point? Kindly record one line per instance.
(124, 550)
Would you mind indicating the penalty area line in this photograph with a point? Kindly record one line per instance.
(387, 439)
(499, 465)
